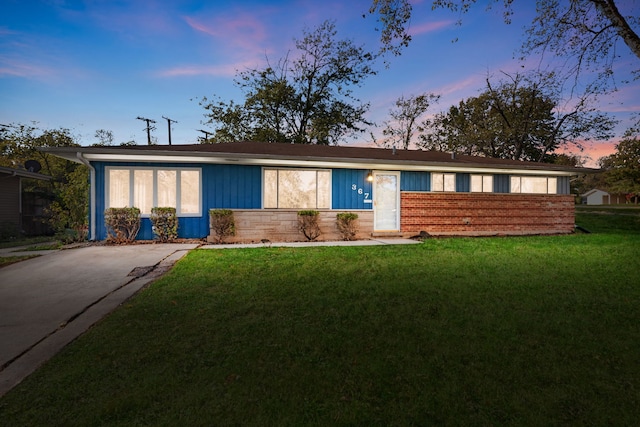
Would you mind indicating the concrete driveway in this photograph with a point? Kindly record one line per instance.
(47, 302)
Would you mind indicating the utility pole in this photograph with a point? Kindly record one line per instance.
(206, 135)
(149, 128)
(169, 126)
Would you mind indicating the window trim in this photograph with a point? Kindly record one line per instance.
(277, 170)
(485, 187)
(550, 180)
(155, 169)
(444, 183)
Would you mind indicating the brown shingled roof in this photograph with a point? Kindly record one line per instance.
(305, 152)
(345, 152)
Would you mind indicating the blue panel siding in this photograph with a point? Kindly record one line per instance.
(415, 181)
(223, 186)
(563, 185)
(463, 182)
(350, 189)
(232, 187)
(101, 232)
(501, 184)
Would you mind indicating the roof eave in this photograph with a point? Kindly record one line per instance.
(25, 174)
(156, 156)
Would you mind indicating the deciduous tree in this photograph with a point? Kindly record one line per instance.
(519, 118)
(306, 98)
(68, 191)
(405, 125)
(623, 167)
(586, 30)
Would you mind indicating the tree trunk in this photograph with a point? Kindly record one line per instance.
(609, 9)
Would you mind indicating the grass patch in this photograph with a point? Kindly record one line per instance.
(44, 247)
(612, 220)
(8, 260)
(488, 331)
(25, 241)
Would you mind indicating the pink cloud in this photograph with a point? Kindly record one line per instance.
(593, 150)
(428, 27)
(17, 68)
(199, 70)
(245, 31)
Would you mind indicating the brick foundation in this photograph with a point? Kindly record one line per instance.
(439, 214)
(282, 225)
(477, 214)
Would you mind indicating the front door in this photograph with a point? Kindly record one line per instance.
(386, 201)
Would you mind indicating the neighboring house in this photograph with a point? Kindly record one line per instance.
(595, 197)
(11, 206)
(394, 192)
(600, 197)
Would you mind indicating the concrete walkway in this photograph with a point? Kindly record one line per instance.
(369, 242)
(48, 301)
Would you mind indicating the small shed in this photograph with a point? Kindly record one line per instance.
(11, 196)
(595, 197)
(601, 197)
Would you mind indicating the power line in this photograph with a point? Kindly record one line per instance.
(169, 121)
(206, 135)
(149, 128)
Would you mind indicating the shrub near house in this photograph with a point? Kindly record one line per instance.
(165, 223)
(122, 224)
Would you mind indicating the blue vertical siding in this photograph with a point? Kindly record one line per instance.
(223, 186)
(232, 187)
(563, 185)
(463, 182)
(101, 232)
(415, 181)
(350, 189)
(501, 184)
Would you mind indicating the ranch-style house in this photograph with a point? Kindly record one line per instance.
(394, 192)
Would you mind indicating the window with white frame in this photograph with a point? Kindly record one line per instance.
(297, 189)
(482, 183)
(443, 181)
(534, 184)
(145, 188)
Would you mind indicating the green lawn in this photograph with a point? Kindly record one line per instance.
(25, 241)
(8, 260)
(486, 331)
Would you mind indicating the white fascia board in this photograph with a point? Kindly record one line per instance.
(321, 163)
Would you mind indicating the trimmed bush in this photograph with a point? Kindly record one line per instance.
(308, 224)
(347, 225)
(122, 224)
(222, 224)
(8, 231)
(164, 224)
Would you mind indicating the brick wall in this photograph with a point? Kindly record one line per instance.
(486, 214)
(253, 225)
(465, 214)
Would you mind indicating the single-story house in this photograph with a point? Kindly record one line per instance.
(594, 197)
(394, 192)
(601, 197)
(11, 210)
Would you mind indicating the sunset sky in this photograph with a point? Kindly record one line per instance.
(89, 65)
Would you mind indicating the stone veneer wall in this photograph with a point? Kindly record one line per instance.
(478, 214)
(253, 225)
